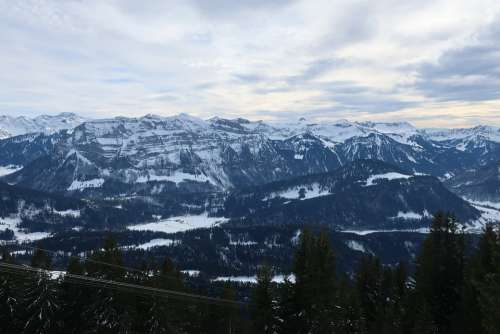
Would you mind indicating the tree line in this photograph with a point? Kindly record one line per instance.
(449, 292)
(453, 290)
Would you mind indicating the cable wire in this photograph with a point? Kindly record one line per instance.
(120, 286)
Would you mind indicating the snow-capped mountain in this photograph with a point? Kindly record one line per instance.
(154, 155)
(491, 133)
(14, 126)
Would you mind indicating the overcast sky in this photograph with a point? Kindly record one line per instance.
(430, 62)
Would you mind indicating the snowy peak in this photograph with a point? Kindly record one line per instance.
(491, 133)
(48, 124)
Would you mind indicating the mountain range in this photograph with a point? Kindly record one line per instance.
(226, 154)
(218, 195)
(183, 164)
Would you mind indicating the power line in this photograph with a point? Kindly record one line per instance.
(87, 259)
(120, 286)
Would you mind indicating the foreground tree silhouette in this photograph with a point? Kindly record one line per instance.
(109, 311)
(484, 286)
(310, 302)
(263, 303)
(439, 278)
(41, 302)
(74, 298)
(9, 298)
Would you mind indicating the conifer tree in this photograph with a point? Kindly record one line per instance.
(368, 290)
(262, 307)
(324, 276)
(110, 311)
(314, 292)
(348, 318)
(440, 276)
(163, 315)
(9, 297)
(74, 298)
(486, 280)
(41, 303)
(287, 308)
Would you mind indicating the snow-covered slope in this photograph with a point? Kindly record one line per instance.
(15, 126)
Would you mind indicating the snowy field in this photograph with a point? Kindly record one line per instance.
(310, 191)
(366, 232)
(160, 242)
(10, 169)
(252, 279)
(12, 223)
(180, 223)
(387, 176)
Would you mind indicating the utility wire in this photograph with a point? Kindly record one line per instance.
(120, 286)
(86, 258)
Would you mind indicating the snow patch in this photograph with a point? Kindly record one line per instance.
(10, 169)
(252, 279)
(355, 245)
(81, 185)
(296, 238)
(410, 215)
(180, 223)
(191, 273)
(156, 243)
(68, 213)
(424, 230)
(175, 177)
(21, 236)
(387, 176)
(310, 191)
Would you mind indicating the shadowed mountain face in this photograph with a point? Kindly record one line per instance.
(481, 184)
(366, 194)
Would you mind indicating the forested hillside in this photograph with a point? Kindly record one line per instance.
(454, 289)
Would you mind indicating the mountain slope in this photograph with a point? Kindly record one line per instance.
(366, 194)
(482, 184)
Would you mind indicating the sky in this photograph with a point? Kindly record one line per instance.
(430, 62)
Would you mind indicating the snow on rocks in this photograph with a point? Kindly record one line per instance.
(77, 185)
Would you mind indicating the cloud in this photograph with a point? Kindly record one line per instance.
(323, 59)
(469, 73)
